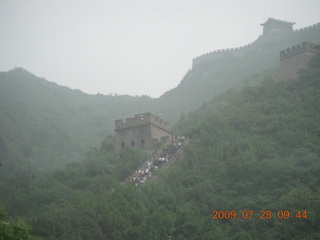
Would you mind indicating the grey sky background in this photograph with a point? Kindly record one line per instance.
(135, 47)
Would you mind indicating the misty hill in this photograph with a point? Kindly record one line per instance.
(215, 72)
(253, 150)
(43, 125)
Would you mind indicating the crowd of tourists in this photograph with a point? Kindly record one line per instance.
(170, 147)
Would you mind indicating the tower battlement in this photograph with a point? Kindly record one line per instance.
(142, 119)
(293, 59)
(144, 131)
(295, 50)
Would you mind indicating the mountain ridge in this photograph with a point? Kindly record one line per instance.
(44, 122)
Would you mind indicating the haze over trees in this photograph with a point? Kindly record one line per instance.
(44, 125)
(253, 148)
(40, 121)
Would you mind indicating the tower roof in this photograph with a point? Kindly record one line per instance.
(274, 26)
(273, 20)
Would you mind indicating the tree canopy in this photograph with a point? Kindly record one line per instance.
(254, 150)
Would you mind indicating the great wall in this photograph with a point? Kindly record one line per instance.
(147, 128)
(293, 59)
(298, 49)
(243, 50)
(147, 131)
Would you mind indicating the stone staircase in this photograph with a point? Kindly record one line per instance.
(153, 158)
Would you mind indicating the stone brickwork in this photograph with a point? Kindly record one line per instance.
(305, 47)
(144, 131)
(293, 59)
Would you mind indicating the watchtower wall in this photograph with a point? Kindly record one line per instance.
(142, 119)
(144, 131)
(274, 26)
(305, 47)
(293, 59)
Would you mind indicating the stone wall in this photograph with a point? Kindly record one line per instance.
(293, 59)
(295, 50)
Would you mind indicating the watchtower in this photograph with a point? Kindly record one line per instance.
(144, 131)
(294, 59)
(274, 26)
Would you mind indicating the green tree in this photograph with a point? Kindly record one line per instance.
(13, 229)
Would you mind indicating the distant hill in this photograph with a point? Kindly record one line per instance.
(44, 125)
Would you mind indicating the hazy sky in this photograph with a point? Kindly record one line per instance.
(135, 47)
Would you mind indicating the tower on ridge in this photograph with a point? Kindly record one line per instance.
(274, 26)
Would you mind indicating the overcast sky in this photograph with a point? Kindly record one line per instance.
(135, 47)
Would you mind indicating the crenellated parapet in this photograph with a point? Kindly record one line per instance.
(222, 52)
(295, 50)
(142, 119)
(218, 54)
(313, 27)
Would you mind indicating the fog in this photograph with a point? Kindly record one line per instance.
(139, 47)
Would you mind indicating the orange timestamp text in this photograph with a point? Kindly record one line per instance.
(259, 214)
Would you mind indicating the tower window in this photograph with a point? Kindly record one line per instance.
(132, 143)
(123, 145)
(142, 141)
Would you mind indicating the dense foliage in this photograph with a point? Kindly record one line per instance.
(259, 152)
(251, 150)
(13, 229)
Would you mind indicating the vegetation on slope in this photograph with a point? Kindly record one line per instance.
(253, 150)
(43, 125)
(14, 229)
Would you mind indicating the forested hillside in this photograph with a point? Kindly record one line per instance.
(253, 152)
(44, 125)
